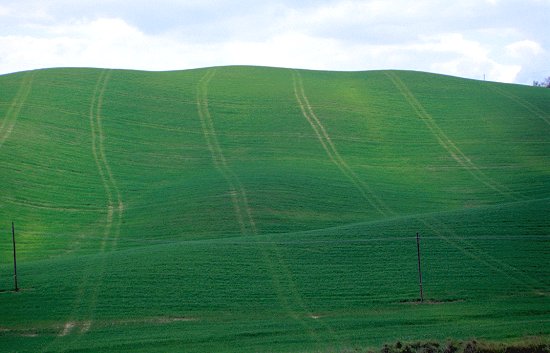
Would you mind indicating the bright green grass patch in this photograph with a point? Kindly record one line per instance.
(259, 209)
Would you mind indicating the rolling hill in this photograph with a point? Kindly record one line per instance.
(252, 209)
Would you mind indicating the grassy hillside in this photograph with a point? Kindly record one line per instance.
(258, 209)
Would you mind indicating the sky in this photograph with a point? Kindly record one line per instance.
(496, 40)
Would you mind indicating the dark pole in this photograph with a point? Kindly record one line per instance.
(14, 257)
(419, 269)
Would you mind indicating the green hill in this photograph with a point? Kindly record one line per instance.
(250, 209)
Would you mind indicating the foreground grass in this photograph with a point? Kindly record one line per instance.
(338, 288)
(254, 209)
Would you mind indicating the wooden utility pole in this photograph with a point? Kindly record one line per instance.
(14, 257)
(419, 268)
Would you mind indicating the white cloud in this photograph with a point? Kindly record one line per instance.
(453, 43)
(470, 58)
(523, 48)
(4, 11)
(115, 43)
(287, 50)
(99, 43)
(467, 38)
(341, 12)
(489, 69)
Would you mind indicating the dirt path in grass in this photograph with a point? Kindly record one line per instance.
(330, 148)
(444, 141)
(15, 108)
(67, 328)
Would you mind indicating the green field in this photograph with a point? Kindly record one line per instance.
(250, 209)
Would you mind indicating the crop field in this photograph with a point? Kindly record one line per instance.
(253, 209)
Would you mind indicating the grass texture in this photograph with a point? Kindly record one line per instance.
(252, 209)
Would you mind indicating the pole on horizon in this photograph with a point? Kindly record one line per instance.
(419, 268)
(14, 257)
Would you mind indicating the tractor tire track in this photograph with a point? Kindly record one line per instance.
(330, 148)
(467, 248)
(115, 205)
(237, 192)
(276, 267)
(114, 200)
(527, 105)
(502, 266)
(15, 107)
(293, 300)
(448, 145)
(86, 299)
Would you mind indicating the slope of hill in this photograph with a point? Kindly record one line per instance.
(263, 209)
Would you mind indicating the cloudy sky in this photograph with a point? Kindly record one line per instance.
(505, 40)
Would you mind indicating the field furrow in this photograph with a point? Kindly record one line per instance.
(330, 148)
(236, 191)
(454, 151)
(85, 302)
(115, 207)
(15, 107)
(476, 254)
(253, 209)
(288, 297)
(522, 102)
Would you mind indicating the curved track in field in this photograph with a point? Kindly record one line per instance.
(15, 107)
(82, 315)
(285, 288)
(444, 141)
(115, 206)
(237, 192)
(526, 104)
(330, 149)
